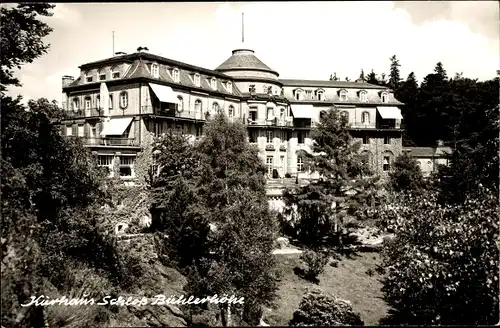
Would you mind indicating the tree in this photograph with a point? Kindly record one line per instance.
(318, 309)
(334, 157)
(333, 77)
(394, 77)
(362, 75)
(22, 37)
(406, 175)
(443, 264)
(407, 93)
(372, 78)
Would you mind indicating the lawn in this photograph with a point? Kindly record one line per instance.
(348, 281)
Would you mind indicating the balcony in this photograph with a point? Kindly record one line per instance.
(269, 146)
(93, 112)
(92, 141)
(273, 122)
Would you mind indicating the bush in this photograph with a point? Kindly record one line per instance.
(443, 263)
(287, 175)
(315, 261)
(317, 309)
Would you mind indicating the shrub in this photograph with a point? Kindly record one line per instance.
(317, 309)
(315, 262)
(443, 263)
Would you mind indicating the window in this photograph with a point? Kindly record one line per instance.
(197, 105)
(88, 77)
(87, 103)
(320, 95)
(322, 114)
(269, 136)
(343, 95)
(155, 70)
(386, 163)
(199, 131)
(215, 107)
(269, 162)
(229, 86)
(298, 94)
(300, 137)
(76, 104)
(366, 140)
(385, 97)
(365, 118)
(127, 160)
(81, 130)
(363, 96)
(387, 140)
(110, 101)
(231, 111)
(300, 164)
(98, 102)
(253, 113)
(197, 79)
(116, 73)
(104, 160)
(102, 74)
(345, 115)
(213, 83)
(180, 105)
(269, 90)
(123, 100)
(175, 74)
(282, 113)
(270, 113)
(69, 130)
(251, 88)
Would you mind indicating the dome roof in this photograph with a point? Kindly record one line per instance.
(244, 59)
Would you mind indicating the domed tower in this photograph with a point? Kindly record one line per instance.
(250, 73)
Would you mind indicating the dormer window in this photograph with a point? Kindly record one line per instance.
(115, 73)
(251, 88)
(102, 74)
(88, 77)
(176, 75)
(155, 70)
(343, 95)
(298, 94)
(269, 90)
(320, 94)
(229, 86)
(213, 83)
(197, 79)
(363, 96)
(385, 97)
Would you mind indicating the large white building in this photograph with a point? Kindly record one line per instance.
(114, 102)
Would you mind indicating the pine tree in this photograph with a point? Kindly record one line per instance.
(394, 76)
(407, 93)
(362, 75)
(335, 158)
(372, 78)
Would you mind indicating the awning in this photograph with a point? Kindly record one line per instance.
(116, 126)
(164, 93)
(302, 111)
(390, 113)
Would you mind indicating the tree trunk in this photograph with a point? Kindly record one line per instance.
(223, 316)
(229, 315)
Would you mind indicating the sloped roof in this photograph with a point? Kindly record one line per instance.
(421, 151)
(244, 59)
(329, 84)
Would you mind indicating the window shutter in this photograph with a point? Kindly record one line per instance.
(75, 130)
(86, 130)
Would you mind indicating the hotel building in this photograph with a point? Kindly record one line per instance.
(115, 102)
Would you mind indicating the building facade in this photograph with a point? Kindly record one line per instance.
(115, 102)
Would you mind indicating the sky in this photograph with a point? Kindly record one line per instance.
(299, 40)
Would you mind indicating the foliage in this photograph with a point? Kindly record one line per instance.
(405, 174)
(144, 161)
(22, 35)
(336, 159)
(394, 76)
(315, 261)
(443, 263)
(318, 309)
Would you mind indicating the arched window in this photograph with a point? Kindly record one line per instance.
(180, 105)
(197, 105)
(363, 96)
(320, 94)
(213, 83)
(155, 70)
(215, 107)
(385, 97)
(197, 79)
(123, 100)
(88, 103)
(365, 118)
(88, 77)
(102, 74)
(229, 86)
(231, 111)
(298, 94)
(76, 104)
(176, 75)
(343, 95)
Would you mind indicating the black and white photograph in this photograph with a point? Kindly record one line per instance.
(218, 164)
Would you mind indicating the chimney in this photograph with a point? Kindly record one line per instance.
(67, 80)
(119, 53)
(142, 49)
